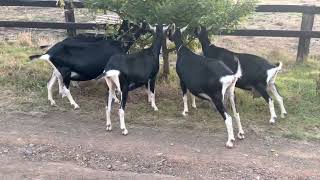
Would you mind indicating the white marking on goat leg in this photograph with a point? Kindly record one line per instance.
(149, 92)
(153, 102)
(279, 99)
(185, 105)
(226, 81)
(108, 108)
(70, 98)
(50, 86)
(272, 112)
(122, 122)
(228, 122)
(235, 113)
(193, 98)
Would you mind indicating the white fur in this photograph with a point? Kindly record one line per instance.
(185, 105)
(122, 122)
(272, 73)
(234, 109)
(193, 101)
(184, 28)
(272, 112)
(228, 122)
(45, 57)
(109, 107)
(74, 74)
(50, 86)
(112, 73)
(70, 98)
(153, 101)
(279, 99)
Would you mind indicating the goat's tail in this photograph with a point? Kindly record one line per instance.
(33, 57)
(279, 66)
(272, 73)
(238, 74)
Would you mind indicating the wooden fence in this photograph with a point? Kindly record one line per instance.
(305, 34)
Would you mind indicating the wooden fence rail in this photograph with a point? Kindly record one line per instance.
(305, 34)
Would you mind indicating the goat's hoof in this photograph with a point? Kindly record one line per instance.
(155, 108)
(185, 113)
(52, 103)
(229, 144)
(109, 127)
(76, 106)
(273, 120)
(284, 115)
(194, 107)
(124, 132)
(241, 135)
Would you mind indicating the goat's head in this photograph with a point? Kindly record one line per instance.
(201, 32)
(175, 33)
(158, 28)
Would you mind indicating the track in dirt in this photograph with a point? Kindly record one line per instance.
(68, 144)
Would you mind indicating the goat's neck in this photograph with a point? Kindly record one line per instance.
(156, 44)
(205, 43)
(178, 43)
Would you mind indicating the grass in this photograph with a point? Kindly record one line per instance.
(23, 86)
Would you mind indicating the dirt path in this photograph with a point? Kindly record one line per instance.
(64, 145)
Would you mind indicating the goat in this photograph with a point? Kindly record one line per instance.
(207, 79)
(81, 59)
(126, 72)
(258, 74)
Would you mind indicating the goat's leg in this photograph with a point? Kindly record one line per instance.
(218, 102)
(231, 97)
(262, 90)
(148, 91)
(279, 99)
(60, 82)
(66, 81)
(124, 96)
(185, 98)
(109, 106)
(50, 86)
(193, 98)
(153, 94)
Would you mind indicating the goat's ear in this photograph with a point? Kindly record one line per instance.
(209, 28)
(152, 28)
(173, 27)
(165, 28)
(197, 30)
(184, 28)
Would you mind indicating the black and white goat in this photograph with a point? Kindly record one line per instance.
(126, 72)
(207, 79)
(83, 58)
(258, 74)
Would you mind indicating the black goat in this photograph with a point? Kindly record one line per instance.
(207, 79)
(83, 58)
(258, 74)
(124, 73)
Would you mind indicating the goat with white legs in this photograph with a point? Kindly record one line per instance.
(83, 58)
(258, 74)
(124, 73)
(207, 79)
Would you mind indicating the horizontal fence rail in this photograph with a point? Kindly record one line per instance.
(305, 34)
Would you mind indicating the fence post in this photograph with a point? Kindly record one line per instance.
(304, 42)
(69, 17)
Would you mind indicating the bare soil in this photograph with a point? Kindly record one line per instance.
(74, 145)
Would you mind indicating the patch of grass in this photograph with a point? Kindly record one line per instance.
(297, 84)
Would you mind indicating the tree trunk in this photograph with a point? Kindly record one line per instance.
(165, 55)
